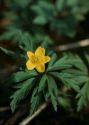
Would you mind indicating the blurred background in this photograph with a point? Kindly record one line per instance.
(65, 26)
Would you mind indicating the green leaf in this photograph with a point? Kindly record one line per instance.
(9, 34)
(45, 9)
(72, 84)
(72, 2)
(25, 41)
(53, 91)
(76, 75)
(81, 103)
(8, 52)
(68, 61)
(40, 20)
(53, 60)
(12, 54)
(83, 96)
(60, 4)
(20, 3)
(64, 102)
(80, 64)
(35, 101)
(21, 93)
(79, 17)
(47, 41)
(34, 93)
(52, 85)
(74, 72)
(60, 64)
(23, 75)
(35, 104)
(87, 57)
(42, 83)
(46, 96)
(67, 80)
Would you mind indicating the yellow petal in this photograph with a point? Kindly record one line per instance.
(47, 59)
(30, 65)
(40, 68)
(40, 51)
(30, 54)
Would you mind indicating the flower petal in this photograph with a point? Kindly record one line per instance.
(30, 54)
(40, 68)
(30, 65)
(40, 51)
(47, 59)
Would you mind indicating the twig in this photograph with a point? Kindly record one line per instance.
(12, 120)
(69, 46)
(15, 117)
(2, 109)
(30, 118)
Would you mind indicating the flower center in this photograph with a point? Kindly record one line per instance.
(34, 59)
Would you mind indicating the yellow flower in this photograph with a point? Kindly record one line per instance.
(37, 60)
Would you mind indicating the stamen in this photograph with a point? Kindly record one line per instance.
(34, 59)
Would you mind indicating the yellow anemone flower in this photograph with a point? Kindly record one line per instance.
(37, 60)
